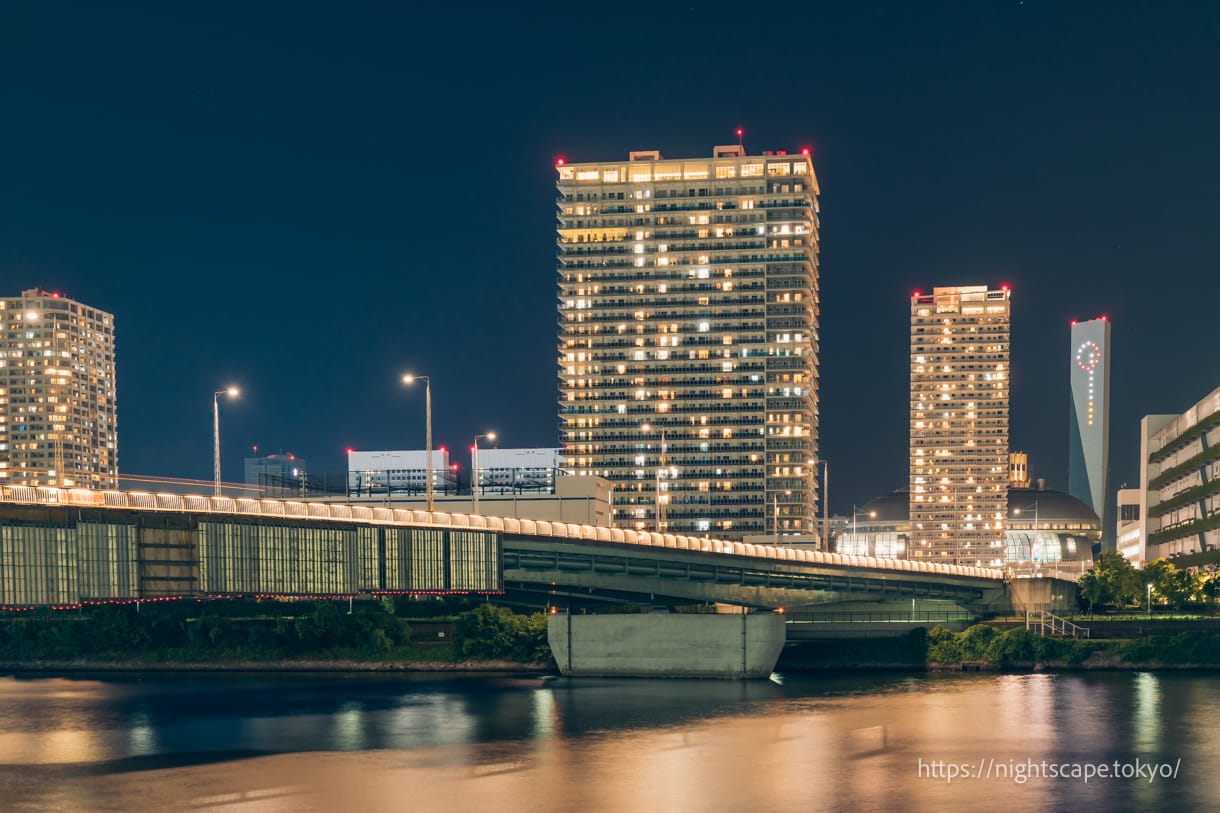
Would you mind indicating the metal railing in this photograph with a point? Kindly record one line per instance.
(1050, 625)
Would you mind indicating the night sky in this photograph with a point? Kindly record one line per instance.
(312, 199)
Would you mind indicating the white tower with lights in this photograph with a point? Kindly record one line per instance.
(1089, 422)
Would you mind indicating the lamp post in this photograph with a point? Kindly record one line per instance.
(855, 513)
(409, 378)
(825, 506)
(662, 504)
(1016, 512)
(474, 470)
(1148, 601)
(232, 392)
(647, 427)
(775, 505)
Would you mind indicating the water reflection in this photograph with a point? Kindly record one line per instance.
(809, 742)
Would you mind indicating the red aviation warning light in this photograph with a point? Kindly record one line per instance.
(560, 161)
(805, 151)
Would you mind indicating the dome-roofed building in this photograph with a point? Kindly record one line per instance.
(1046, 530)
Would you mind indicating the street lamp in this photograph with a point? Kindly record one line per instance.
(825, 506)
(232, 392)
(1148, 601)
(1016, 512)
(647, 427)
(855, 513)
(775, 504)
(474, 470)
(409, 378)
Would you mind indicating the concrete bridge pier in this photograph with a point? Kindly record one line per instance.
(728, 646)
(1031, 596)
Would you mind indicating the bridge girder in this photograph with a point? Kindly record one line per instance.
(675, 576)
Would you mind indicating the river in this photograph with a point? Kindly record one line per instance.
(808, 742)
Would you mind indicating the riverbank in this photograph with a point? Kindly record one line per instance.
(312, 665)
(984, 649)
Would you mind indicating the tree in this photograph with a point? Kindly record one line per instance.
(1092, 590)
(1111, 581)
(487, 631)
(1211, 587)
(1176, 586)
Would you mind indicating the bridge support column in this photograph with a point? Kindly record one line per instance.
(667, 645)
(1035, 595)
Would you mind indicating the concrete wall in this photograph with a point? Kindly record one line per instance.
(667, 645)
(1034, 595)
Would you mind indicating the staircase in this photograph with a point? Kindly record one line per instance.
(1051, 625)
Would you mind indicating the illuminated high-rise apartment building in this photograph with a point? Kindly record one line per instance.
(57, 393)
(959, 424)
(688, 338)
(1089, 422)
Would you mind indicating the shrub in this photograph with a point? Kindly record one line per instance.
(943, 646)
(1017, 645)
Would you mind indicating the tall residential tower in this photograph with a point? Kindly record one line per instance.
(959, 424)
(688, 338)
(57, 409)
(1089, 423)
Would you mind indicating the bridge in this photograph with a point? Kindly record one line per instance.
(140, 545)
(62, 548)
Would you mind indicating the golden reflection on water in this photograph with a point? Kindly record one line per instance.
(776, 753)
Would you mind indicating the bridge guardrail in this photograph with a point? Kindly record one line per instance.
(147, 501)
(879, 616)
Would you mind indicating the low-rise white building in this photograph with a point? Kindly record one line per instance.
(517, 471)
(1129, 532)
(1180, 480)
(403, 471)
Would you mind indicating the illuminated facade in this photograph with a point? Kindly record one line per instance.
(959, 424)
(57, 393)
(1018, 470)
(1047, 532)
(688, 338)
(1180, 479)
(1089, 423)
(1129, 532)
